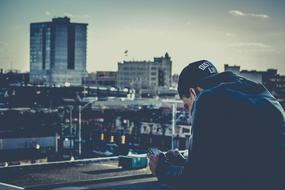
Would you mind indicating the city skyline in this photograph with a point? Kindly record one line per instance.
(249, 34)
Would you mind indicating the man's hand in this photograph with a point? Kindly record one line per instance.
(153, 161)
(175, 157)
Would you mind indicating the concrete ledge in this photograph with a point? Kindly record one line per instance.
(53, 164)
(89, 160)
(4, 186)
(88, 182)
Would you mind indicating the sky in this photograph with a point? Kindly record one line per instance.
(250, 34)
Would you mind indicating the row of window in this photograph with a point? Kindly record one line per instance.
(131, 73)
(132, 68)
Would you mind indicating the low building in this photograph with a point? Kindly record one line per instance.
(101, 78)
(13, 78)
(139, 75)
(161, 135)
(253, 75)
(273, 81)
(106, 78)
(28, 135)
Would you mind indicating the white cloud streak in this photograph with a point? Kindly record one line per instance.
(85, 16)
(255, 47)
(47, 13)
(236, 13)
(231, 35)
(243, 14)
(264, 16)
(189, 23)
(250, 45)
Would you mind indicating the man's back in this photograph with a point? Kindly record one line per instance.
(237, 136)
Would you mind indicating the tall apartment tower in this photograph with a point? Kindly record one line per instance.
(58, 52)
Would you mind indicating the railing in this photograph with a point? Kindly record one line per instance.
(89, 160)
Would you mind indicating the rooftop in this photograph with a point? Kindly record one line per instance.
(77, 175)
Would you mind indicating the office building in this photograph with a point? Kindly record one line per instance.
(58, 52)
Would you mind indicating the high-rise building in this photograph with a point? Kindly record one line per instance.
(154, 74)
(58, 52)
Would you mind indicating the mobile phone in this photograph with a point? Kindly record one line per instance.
(154, 151)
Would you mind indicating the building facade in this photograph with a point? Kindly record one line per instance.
(274, 82)
(101, 78)
(58, 52)
(140, 75)
(106, 78)
(13, 78)
(254, 75)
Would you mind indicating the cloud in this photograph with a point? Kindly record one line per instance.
(48, 13)
(86, 16)
(250, 45)
(189, 23)
(259, 15)
(231, 35)
(236, 13)
(243, 14)
(254, 47)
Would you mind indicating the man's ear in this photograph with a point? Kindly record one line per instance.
(192, 93)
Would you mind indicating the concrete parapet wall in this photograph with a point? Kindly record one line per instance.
(4, 186)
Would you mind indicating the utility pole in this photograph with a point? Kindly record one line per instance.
(80, 108)
(173, 125)
(79, 130)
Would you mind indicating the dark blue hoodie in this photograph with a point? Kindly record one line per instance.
(238, 133)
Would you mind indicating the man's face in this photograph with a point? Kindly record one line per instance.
(188, 102)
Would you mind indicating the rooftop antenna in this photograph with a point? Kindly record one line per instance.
(126, 53)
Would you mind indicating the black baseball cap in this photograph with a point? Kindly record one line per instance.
(193, 74)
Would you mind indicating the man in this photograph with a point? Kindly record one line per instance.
(237, 128)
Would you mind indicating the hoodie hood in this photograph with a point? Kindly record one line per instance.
(232, 81)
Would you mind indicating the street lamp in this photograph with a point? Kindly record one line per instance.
(174, 109)
(70, 119)
(80, 108)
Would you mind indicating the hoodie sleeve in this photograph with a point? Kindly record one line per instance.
(203, 118)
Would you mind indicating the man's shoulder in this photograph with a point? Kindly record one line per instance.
(236, 90)
(209, 94)
(219, 96)
(207, 99)
(238, 94)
